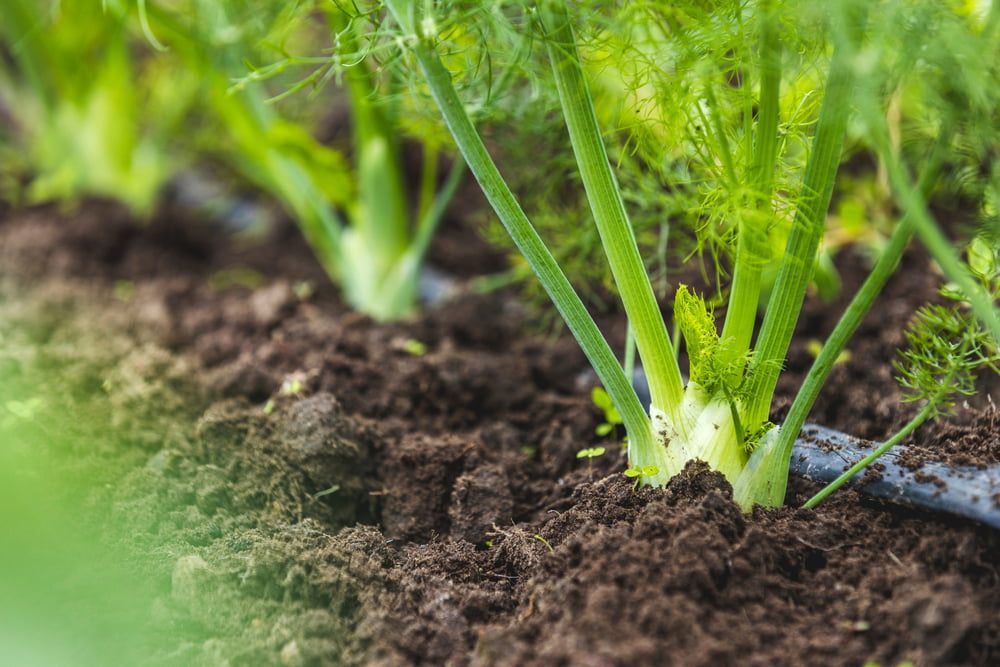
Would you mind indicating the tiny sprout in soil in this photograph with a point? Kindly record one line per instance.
(612, 418)
(590, 453)
(545, 542)
(641, 473)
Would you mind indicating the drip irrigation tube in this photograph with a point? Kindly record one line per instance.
(822, 454)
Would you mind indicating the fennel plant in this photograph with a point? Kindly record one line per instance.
(721, 414)
(358, 219)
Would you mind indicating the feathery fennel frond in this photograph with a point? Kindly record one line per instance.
(946, 344)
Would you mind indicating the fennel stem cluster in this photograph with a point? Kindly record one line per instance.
(721, 414)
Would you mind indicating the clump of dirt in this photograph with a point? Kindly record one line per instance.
(684, 577)
(625, 577)
(298, 487)
(228, 516)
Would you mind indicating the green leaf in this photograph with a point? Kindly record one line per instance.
(303, 290)
(644, 471)
(692, 316)
(590, 452)
(414, 347)
(292, 386)
(982, 257)
(604, 429)
(601, 398)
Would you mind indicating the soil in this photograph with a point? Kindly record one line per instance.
(291, 485)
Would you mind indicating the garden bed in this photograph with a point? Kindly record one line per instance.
(291, 483)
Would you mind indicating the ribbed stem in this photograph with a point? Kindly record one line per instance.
(751, 245)
(608, 208)
(511, 215)
(862, 302)
(803, 240)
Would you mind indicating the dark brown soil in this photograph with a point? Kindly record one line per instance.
(299, 489)
(971, 438)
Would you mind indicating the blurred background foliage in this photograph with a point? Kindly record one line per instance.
(117, 98)
(120, 98)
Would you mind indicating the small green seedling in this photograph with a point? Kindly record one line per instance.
(303, 290)
(292, 386)
(638, 472)
(612, 418)
(414, 347)
(590, 453)
(814, 347)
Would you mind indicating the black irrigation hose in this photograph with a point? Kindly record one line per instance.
(822, 454)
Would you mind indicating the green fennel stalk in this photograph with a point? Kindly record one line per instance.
(738, 328)
(848, 323)
(80, 115)
(519, 227)
(659, 362)
(361, 229)
(720, 416)
(807, 230)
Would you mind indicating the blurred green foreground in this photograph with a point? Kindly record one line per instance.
(66, 598)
